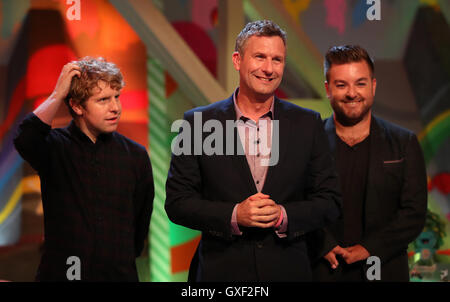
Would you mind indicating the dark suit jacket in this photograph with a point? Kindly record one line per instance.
(203, 190)
(395, 205)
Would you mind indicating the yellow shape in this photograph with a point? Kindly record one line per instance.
(11, 204)
(432, 3)
(295, 7)
(432, 124)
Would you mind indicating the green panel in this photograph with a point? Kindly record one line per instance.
(180, 234)
(321, 106)
(434, 138)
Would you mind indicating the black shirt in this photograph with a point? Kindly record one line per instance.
(352, 165)
(97, 199)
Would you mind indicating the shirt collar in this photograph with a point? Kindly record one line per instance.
(76, 132)
(239, 114)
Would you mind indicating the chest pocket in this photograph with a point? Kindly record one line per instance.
(393, 174)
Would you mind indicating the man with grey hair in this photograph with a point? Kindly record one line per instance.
(254, 212)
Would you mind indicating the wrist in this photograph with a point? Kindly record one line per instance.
(280, 220)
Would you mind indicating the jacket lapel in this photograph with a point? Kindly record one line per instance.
(330, 130)
(238, 162)
(274, 172)
(377, 136)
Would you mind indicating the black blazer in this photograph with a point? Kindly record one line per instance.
(203, 190)
(395, 204)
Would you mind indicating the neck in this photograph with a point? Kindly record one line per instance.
(354, 134)
(85, 129)
(252, 106)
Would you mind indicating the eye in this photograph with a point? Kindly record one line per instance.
(103, 100)
(278, 60)
(361, 84)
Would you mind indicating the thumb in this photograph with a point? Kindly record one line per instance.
(341, 251)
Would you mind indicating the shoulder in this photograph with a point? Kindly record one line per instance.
(393, 131)
(295, 113)
(129, 145)
(211, 109)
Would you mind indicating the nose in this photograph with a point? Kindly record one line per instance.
(267, 66)
(115, 105)
(351, 92)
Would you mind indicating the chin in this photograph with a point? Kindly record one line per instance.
(110, 129)
(265, 92)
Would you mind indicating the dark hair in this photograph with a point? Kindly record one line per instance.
(260, 28)
(93, 70)
(346, 54)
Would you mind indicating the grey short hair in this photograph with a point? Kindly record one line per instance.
(260, 28)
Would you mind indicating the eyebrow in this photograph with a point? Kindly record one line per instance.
(358, 80)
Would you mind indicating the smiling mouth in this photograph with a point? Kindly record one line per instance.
(264, 79)
(352, 102)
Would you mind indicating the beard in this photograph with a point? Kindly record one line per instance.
(348, 120)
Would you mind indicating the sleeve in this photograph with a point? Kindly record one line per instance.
(234, 224)
(320, 243)
(281, 226)
(409, 219)
(322, 204)
(143, 202)
(32, 141)
(185, 204)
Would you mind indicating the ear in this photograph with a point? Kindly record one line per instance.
(76, 107)
(374, 86)
(327, 89)
(237, 60)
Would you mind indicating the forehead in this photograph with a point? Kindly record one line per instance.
(103, 89)
(350, 71)
(273, 44)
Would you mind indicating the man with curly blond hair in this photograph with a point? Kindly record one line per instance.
(97, 185)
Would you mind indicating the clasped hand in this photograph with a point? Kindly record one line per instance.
(350, 254)
(258, 211)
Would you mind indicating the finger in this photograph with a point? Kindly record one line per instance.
(258, 196)
(75, 73)
(260, 203)
(341, 251)
(263, 225)
(268, 210)
(265, 218)
(349, 260)
(331, 257)
(71, 66)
